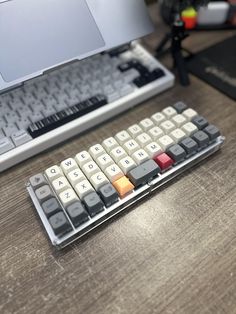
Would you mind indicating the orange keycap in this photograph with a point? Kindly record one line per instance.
(123, 186)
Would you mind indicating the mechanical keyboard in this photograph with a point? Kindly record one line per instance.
(82, 192)
(67, 101)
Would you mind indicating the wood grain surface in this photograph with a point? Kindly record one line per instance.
(175, 252)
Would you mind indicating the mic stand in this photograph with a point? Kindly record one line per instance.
(176, 36)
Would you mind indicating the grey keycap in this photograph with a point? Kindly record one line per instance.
(77, 214)
(180, 106)
(177, 153)
(21, 137)
(60, 224)
(212, 131)
(144, 173)
(44, 193)
(37, 181)
(189, 145)
(5, 145)
(51, 207)
(93, 204)
(108, 194)
(200, 122)
(201, 138)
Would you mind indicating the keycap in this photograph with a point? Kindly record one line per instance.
(77, 213)
(60, 184)
(83, 188)
(109, 144)
(51, 207)
(20, 137)
(5, 145)
(140, 156)
(179, 120)
(146, 124)
(143, 173)
(96, 151)
(156, 133)
(113, 172)
(98, 180)
(143, 139)
(68, 197)
(153, 149)
(118, 153)
(108, 194)
(189, 114)
(123, 186)
(177, 153)
(104, 161)
(93, 204)
(122, 137)
(200, 122)
(68, 165)
(53, 173)
(44, 193)
(189, 128)
(75, 176)
(167, 126)
(189, 145)
(212, 131)
(60, 224)
(169, 112)
(131, 146)
(164, 161)
(90, 169)
(165, 142)
(82, 158)
(126, 164)
(201, 138)
(37, 181)
(158, 118)
(135, 130)
(180, 106)
(177, 135)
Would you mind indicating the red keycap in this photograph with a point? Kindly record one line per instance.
(164, 161)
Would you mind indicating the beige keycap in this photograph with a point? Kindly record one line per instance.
(82, 158)
(131, 146)
(135, 130)
(90, 168)
(122, 137)
(83, 188)
(177, 135)
(153, 149)
(189, 114)
(158, 118)
(60, 184)
(75, 176)
(189, 128)
(104, 161)
(165, 142)
(96, 151)
(179, 120)
(143, 139)
(167, 126)
(68, 165)
(118, 153)
(114, 172)
(109, 144)
(156, 133)
(140, 156)
(169, 112)
(68, 197)
(53, 173)
(146, 124)
(98, 180)
(126, 164)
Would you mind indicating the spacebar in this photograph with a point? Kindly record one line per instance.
(69, 114)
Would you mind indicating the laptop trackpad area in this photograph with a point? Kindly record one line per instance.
(36, 35)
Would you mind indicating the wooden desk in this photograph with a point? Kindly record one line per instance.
(173, 253)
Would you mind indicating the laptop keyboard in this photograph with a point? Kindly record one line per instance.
(83, 191)
(104, 85)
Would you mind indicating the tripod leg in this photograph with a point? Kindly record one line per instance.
(181, 67)
(162, 44)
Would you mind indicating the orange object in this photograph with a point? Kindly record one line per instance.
(190, 22)
(123, 186)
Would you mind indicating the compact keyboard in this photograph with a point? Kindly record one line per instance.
(69, 100)
(82, 192)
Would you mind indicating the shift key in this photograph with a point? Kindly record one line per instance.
(144, 173)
